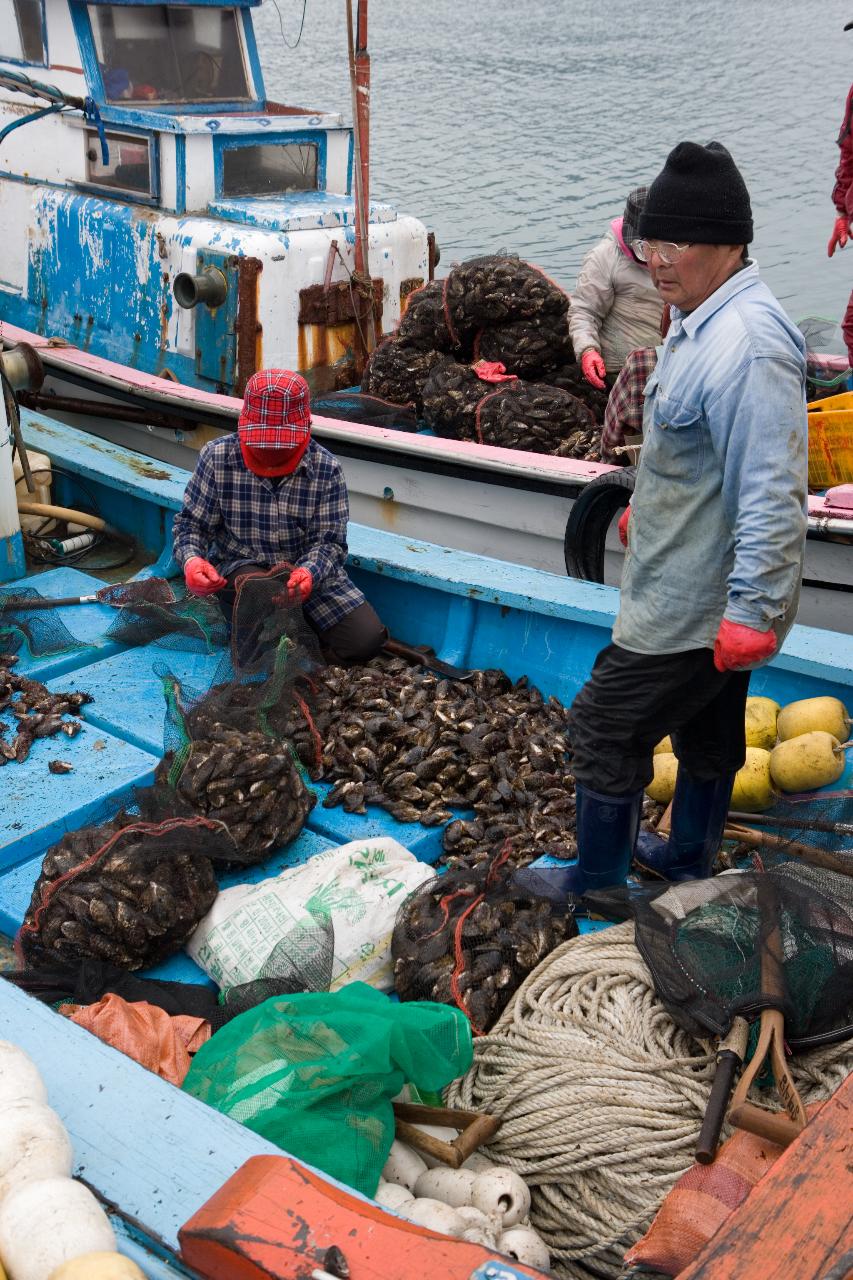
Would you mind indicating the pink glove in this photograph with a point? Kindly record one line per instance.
(840, 234)
(592, 368)
(299, 584)
(737, 647)
(623, 526)
(201, 577)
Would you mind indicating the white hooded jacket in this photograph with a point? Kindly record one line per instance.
(615, 307)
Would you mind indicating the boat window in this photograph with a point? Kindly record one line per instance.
(161, 53)
(128, 167)
(269, 169)
(21, 27)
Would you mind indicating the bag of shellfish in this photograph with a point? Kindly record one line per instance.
(356, 887)
(471, 936)
(126, 890)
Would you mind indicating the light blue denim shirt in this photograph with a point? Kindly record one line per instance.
(718, 516)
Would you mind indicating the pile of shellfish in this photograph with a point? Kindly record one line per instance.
(423, 747)
(38, 712)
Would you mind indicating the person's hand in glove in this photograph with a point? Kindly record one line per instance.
(737, 647)
(623, 525)
(201, 577)
(840, 234)
(592, 368)
(299, 585)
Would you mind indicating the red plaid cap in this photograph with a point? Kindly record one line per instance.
(276, 410)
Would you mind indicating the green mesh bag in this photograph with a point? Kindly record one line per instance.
(315, 1073)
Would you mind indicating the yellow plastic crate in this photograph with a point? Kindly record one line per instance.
(831, 441)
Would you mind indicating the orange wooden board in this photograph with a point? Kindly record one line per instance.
(276, 1220)
(797, 1223)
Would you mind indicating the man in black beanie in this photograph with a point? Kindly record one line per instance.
(715, 534)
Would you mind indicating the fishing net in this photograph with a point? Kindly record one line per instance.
(470, 937)
(34, 713)
(537, 418)
(827, 360)
(125, 890)
(195, 624)
(496, 289)
(316, 1073)
(227, 756)
(527, 347)
(41, 631)
(569, 378)
(424, 323)
(397, 372)
(355, 406)
(450, 397)
(738, 943)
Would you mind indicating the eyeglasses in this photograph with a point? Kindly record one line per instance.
(668, 252)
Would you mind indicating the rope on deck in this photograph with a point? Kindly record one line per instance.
(601, 1097)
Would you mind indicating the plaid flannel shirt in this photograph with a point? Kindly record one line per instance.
(231, 517)
(624, 413)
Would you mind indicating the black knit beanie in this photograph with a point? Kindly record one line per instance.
(699, 197)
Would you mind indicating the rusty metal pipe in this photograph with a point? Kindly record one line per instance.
(103, 409)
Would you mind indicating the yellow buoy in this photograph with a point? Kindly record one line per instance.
(664, 746)
(753, 789)
(809, 761)
(98, 1266)
(826, 714)
(662, 786)
(760, 720)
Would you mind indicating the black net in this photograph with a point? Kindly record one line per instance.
(527, 348)
(40, 630)
(356, 406)
(227, 755)
(471, 936)
(569, 378)
(301, 961)
(827, 360)
(397, 372)
(537, 418)
(451, 395)
(496, 289)
(777, 938)
(193, 624)
(125, 890)
(35, 712)
(425, 320)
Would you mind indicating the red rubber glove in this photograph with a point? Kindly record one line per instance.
(840, 234)
(623, 526)
(592, 368)
(300, 583)
(737, 647)
(201, 577)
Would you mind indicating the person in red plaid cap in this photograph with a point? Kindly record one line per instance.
(271, 495)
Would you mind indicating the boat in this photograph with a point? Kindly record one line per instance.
(164, 237)
(159, 1159)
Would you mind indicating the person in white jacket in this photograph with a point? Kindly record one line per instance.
(615, 307)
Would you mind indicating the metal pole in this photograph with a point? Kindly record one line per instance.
(12, 562)
(360, 129)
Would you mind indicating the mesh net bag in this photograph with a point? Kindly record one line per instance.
(193, 625)
(450, 397)
(471, 936)
(301, 961)
(37, 713)
(397, 371)
(569, 378)
(779, 938)
(356, 406)
(425, 322)
(527, 347)
(498, 288)
(40, 630)
(537, 418)
(827, 360)
(316, 1073)
(227, 755)
(125, 890)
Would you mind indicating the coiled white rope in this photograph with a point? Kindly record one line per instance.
(601, 1097)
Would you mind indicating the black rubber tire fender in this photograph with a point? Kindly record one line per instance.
(589, 519)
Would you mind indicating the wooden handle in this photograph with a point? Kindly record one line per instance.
(771, 1125)
(476, 1128)
(808, 852)
(712, 1123)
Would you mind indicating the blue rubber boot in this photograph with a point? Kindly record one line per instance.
(699, 811)
(607, 829)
